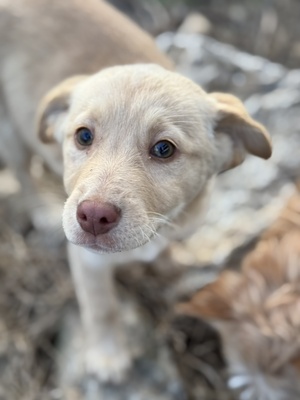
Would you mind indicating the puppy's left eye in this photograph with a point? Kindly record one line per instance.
(84, 137)
(163, 149)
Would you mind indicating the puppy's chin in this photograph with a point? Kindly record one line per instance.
(107, 243)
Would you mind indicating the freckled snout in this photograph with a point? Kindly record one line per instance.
(97, 218)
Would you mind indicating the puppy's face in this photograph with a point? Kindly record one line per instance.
(140, 144)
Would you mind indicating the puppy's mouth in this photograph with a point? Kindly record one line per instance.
(102, 244)
(112, 242)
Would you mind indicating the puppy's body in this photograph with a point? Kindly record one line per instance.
(126, 200)
(44, 42)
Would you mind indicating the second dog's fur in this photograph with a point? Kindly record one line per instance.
(256, 312)
(125, 201)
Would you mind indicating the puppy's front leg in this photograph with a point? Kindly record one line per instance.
(107, 353)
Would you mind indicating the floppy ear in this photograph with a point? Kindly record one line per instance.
(53, 109)
(237, 133)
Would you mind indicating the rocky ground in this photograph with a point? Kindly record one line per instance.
(38, 314)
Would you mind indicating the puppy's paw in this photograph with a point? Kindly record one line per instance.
(108, 363)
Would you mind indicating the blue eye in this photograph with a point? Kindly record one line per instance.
(163, 149)
(84, 137)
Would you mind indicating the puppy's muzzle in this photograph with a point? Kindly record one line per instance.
(97, 218)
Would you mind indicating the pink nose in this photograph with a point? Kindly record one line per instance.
(97, 218)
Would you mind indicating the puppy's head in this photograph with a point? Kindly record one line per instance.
(257, 313)
(140, 145)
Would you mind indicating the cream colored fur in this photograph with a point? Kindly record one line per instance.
(129, 108)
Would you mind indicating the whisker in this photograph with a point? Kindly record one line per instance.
(164, 219)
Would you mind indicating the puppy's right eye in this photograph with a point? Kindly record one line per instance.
(163, 149)
(84, 137)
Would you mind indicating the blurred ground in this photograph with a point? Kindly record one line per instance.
(268, 28)
(36, 297)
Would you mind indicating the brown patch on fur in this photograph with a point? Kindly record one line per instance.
(213, 301)
(289, 219)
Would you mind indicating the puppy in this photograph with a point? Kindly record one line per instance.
(256, 312)
(141, 145)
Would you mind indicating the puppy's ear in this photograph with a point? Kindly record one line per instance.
(53, 109)
(214, 301)
(237, 133)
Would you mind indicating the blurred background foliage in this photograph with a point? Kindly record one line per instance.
(269, 28)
